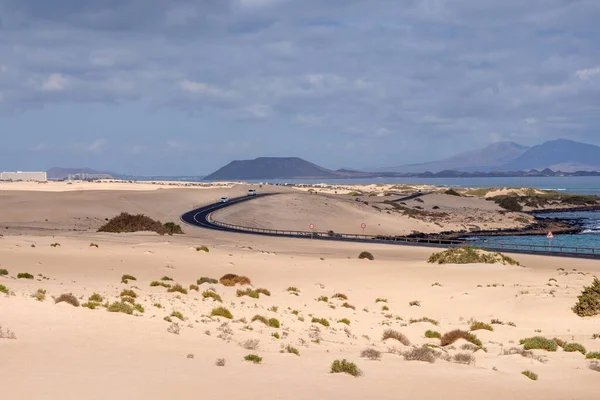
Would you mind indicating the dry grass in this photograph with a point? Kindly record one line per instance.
(424, 354)
(453, 336)
(321, 321)
(205, 279)
(202, 248)
(174, 328)
(220, 362)
(340, 296)
(194, 287)
(96, 297)
(392, 334)
(67, 298)
(177, 314)
(125, 222)
(475, 326)
(177, 288)
(292, 350)
(574, 347)
(470, 255)
(7, 334)
(39, 295)
(366, 255)
(250, 344)
(595, 366)
(371, 354)
(232, 280)
(463, 358)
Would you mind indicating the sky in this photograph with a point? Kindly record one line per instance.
(182, 87)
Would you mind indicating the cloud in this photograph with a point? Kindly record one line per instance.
(587, 74)
(54, 83)
(97, 145)
(178, 145)
(201, 88)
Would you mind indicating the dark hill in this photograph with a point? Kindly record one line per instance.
(272, 168)
(564, 155)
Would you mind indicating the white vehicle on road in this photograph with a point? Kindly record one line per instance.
(251, 192)
(224, 200)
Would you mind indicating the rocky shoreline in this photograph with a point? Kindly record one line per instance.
(563, 210)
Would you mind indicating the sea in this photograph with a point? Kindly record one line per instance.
(589, 221)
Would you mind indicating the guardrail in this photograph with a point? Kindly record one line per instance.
(444, 243)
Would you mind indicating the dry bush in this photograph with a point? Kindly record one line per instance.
(174, 328)
(350, 306)
(203, 248)
(453, 336)
(595, 366)
(344, 321)
(24, 275)
(194, 287)
(233, 279)
(7, 334)
(220, 362)
(263, 291)
(366, 255)
(470, 255)
(321, 321)
(177, 288)
(475, 326)
(205, 279)
(292, 350)
(173, 228)
(125, 222)
(371, 354)
(340, 296)
(39, 295)
(128, 293)
(463, 358)
(221, 312)
(424, 319)
(67, 298)
(250, 344)
(261, 319)
(525, 353)
(392, 334)
(594, 355)
(420, 354)
(415, 303)
(346, 367)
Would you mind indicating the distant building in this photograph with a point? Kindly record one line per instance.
(88, 177)
(23, 176)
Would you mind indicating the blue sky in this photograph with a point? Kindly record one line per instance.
(181, 87)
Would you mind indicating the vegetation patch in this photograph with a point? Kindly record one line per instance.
(156, 283)
(321, 321)
(433, 334)
(593, 355)
(345, 367)
(212, 295)
(366, 255)
(173, 228)
(177, 288)
(539, 343)
(531, 375)
(470, 255)
(205, 279)
(344, 321)
(392, 334)
(263, 291)
(452, 192)
(120, 307)
(340, 296)
(96, 297)
(126, 222)
(91, 305)
(424, 319)
(194, 287)
(371, 354)
(24, 275)
(424, 354)
(595, 366)
(221, 312)
(347, 305)
(177, 314)
(3, 289)
(452, 336)
(203, 248)
(588, 302)
(292, 350)
(253, 358)
(3, 272)
(126, 278)
(233, 279)
(128, 293)
(39, 295)
(323, 299)
(260, 318)
(463, 358)
(248, 292)
(67, 298)
(574, 347)
(476, 326)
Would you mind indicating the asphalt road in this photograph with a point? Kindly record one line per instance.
(201, 218)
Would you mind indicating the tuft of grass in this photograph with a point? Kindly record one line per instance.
(588, 302)
(126, 278)
(321, 321)
(213, 295)
(470, 255)
(252, 293)
(539, 343)
(177, 314)
(91, 305)
(574, 347)
(344, 321)
(593, 355)
(3, 289)
(120, 307)
(379, 300)
(371, 354)
(156, 283)
(177, 288)
(475, 326)
(253, 358)
(166, 278)
(424, 354)
(194, 287)
(292, 350)
(340, 296)
(323, 298)
(415, 303)
(221, 312)
(250, 344)
(345, 367)
(452, 336)
(347, 305)
(531, 375)
(67, 298)
(263, 291)
(463, 358)
(96, 297)
(138, 308)
(261, 319)
(39, 295)
(392, 334)
(203, 248)
(233, 279)
(205, 279)
(424, 319)
(24, 275)
(128, 293)
(3, 272)
(433, 334)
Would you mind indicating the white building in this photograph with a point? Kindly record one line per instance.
(23, 176)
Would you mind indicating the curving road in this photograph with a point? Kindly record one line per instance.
(201, 217)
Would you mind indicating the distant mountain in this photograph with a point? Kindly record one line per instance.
(63, 173)
(564, 155)
(486, 159)
(273, 168)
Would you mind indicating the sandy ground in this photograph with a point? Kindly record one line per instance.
(67, 352)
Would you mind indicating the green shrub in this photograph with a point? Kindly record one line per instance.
(40, 295)
(213, 295)
(126, 278)
(475, 326)
(593, 355)
(120, 307)
(166, 278)
(261, 319)
(96, 297)
(177, 288)
(346, 367)
(573, 347)
(253, 358)
(530, 375)
(194, 287)
(385, 308)
(156, 283)
(350, 306)
(378, 300)
(539, 343)
(433, 334)
(139, 308)
(275, 335)
(453, 336)
(248, 292)
(177, 314)
(204, 279)
(3, 272)
(292, 350)
(203, 248)
(344, 321)
(274, 323)
(221, 312)
(128, 293)
(470, 255)
(323, 298)
(24, 275)
(67, 298)
(173, 228)
(508, 203)
(588, 303)
(367, 255)
(424, 319)
(3, 289)
(321, 321)
(91, 305)
(127, 299)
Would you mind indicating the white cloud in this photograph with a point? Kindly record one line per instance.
(258, 3)
(97, 145)
(382, 132)
(177, 145)
(530, 121)
(256, 111)
(586, 74)
(204, 89)
(54, 83)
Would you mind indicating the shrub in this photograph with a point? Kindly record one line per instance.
(371, 354)
(177, 288)
(94, 245)
(173, 228)
(177, 314)
(120, 307)
(213, 295)
(251, 344)
(347, 305)
(3, 272)
(54, 245)
(588, 303)
(367, 255)
(420, 354)
(323, 298)
(204, 279)
(166, 278)
(221, 312)
(126, 278)
(91, 305)
(220, 362)
(344, 321)
(263, 291)
(24, 275)
(138, 308)
(261, 319)
(275, 335)
(67, 298)
(125, 222)
(378, 300)
(595, 366)
(156, 283)
(574, 347)
(340, 296)
(424, 319)
(346, 367)
(232, 280)
(453, 336)
(3, 289)
(470, 255)
(292, 350)
(274, 309)
(293, 290)
(128, 293)
(203, 248)
(40, 295)
(248, 292)
(274, 323)
(475, 326)
(174, 328)
(194, 287)
(463, 358)
(392, 334)
(415, 303)
(452, 192)
(321, 321)
(433, 334)
(508, 203)
(593, 355)
(253, 358)
(530, 375)
(385, 308)
(539, 343)
(96, 297)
